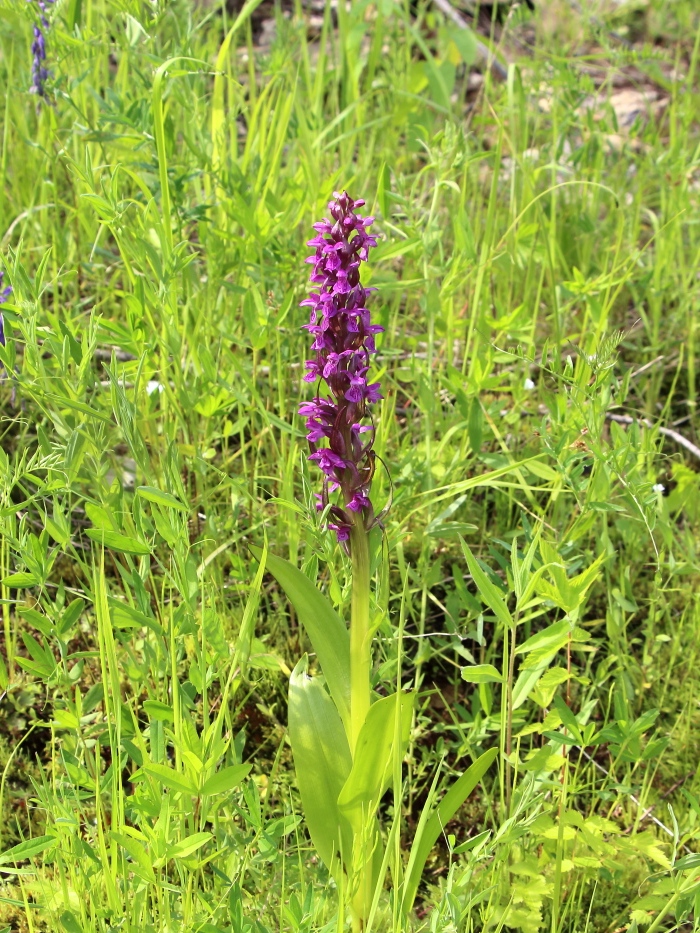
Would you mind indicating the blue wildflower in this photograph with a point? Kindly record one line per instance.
(4, 295)
(40, 73)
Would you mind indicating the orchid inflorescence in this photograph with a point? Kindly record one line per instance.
(40, 73)
(343, 341)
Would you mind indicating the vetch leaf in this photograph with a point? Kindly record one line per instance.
(322, 761)
(118, 542)
(554, 635)
(142, 861)
(28, 849)
(187, 846)
(168, 777)
(568, 719)
(488, 591)
(152, 494)
(225, 780)
(157, 710)
(481, 674)
(323, 625)
(21, 580)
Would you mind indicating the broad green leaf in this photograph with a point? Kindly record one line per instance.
(125, 616)
(170, 778)
(322, 762)
(568, 719)
(28, 849)
(488, 591)
(118, 542)
(555, 634)
(142, 861)
(157, 710)
(323, 625)
(472, 843)
(430, 827)
(20, 580)
(374, 755)
(152, 494)
(547, 685)
(529, 677)
(481, 674)
(225, 780)
(59, 532)
(187, 846)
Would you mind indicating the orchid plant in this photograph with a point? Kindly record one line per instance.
(348, 743)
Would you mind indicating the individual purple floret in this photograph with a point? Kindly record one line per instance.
(40, 73)
(4, 295)
(343, 341)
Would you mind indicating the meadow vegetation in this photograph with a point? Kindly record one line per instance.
(536, 581)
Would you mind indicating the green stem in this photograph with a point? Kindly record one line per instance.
(360, 669)
(360, 656)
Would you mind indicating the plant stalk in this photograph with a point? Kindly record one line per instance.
(360, 656)
(360, 670)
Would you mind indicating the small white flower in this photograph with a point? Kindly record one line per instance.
(529, 385)
(153, 386)
(658, 487)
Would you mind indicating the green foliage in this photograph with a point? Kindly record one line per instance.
(537, 276)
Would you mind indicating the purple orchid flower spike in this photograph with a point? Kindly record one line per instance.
(343, 340)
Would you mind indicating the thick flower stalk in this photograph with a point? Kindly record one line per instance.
(340, 431)
(40, 73)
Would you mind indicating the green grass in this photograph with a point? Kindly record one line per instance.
(153, 225)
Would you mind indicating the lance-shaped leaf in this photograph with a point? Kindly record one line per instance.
(488, 590)
(374, 756)
(325, 628)
(322, 762)
(431, 825)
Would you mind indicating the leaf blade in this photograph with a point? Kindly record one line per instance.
(323, 625)
(322, 762)
(373, 759)
(443, 813)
